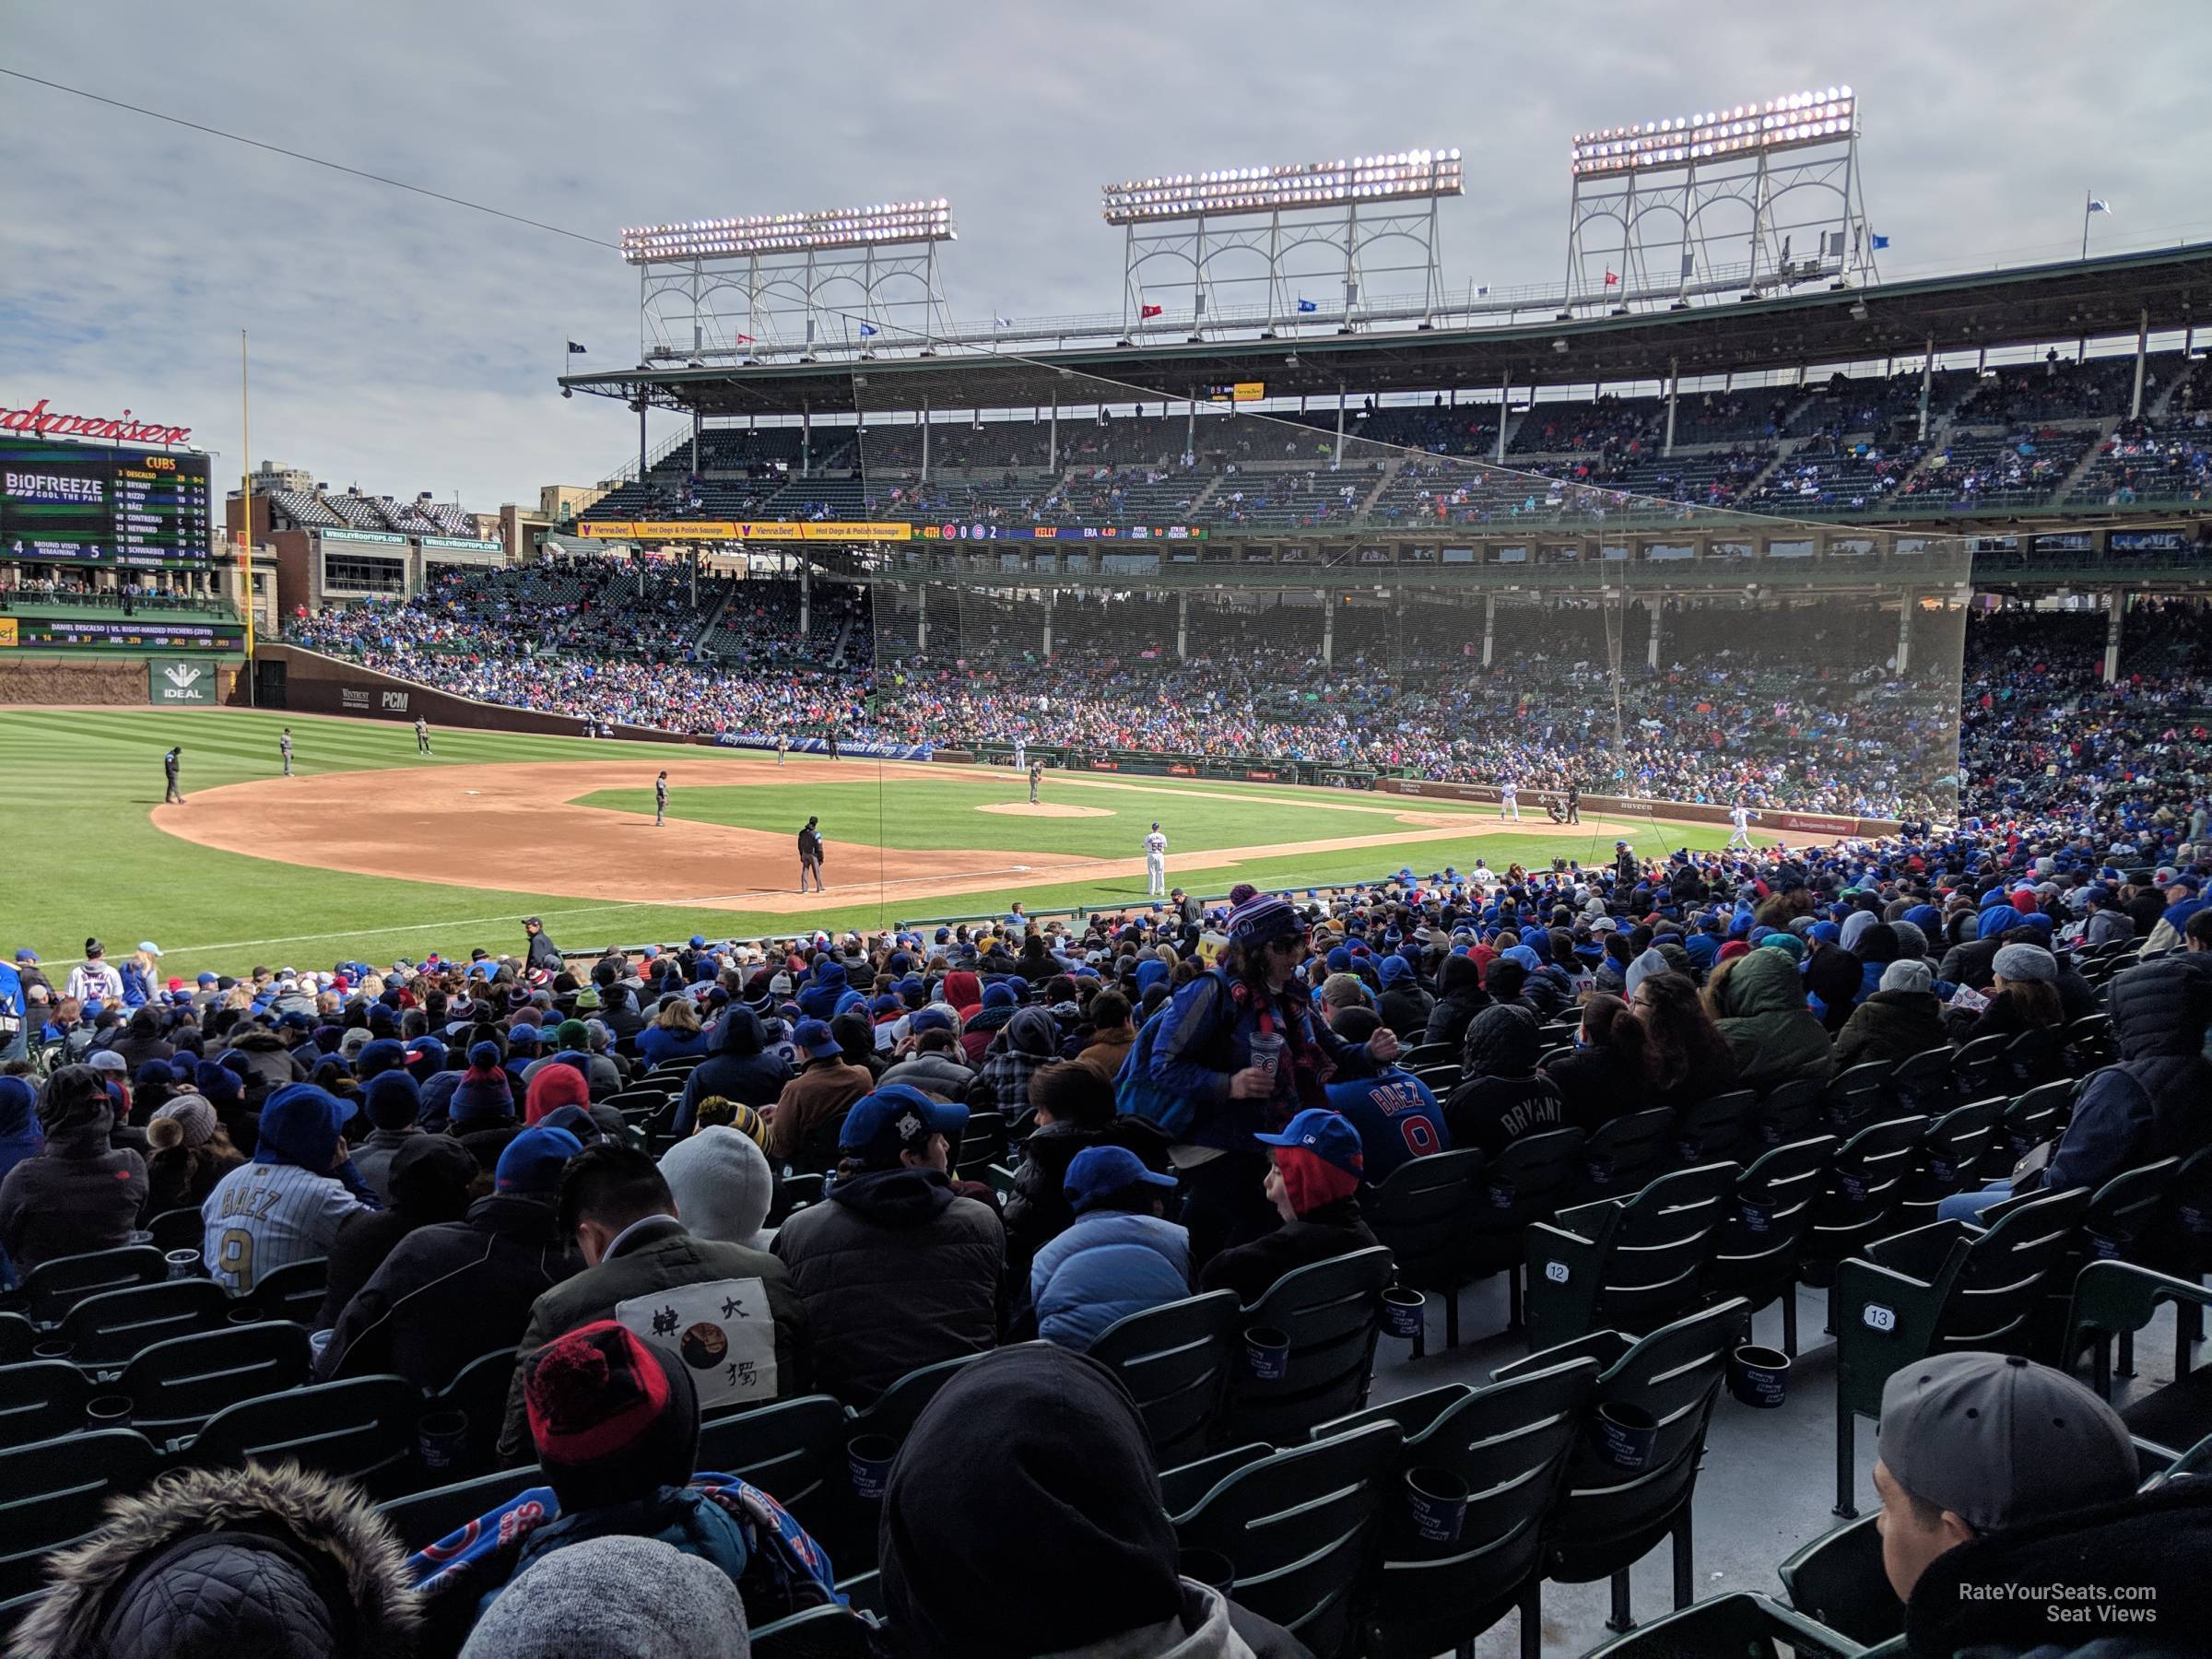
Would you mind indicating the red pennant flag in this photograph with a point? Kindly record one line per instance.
(1612, 278)
(1147, 311)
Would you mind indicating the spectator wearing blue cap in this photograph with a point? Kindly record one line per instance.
(452, 1291)
(285, 1205)
(896, 1269)
(803, 1126)
(1313, 1183)
(1119, 1257)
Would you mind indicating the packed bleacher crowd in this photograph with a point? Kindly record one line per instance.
(808, 1280)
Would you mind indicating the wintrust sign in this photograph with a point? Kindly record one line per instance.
(37, 422)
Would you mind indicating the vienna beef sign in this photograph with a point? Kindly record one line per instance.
(37, 422)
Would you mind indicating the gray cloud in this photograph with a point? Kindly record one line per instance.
(403, 344)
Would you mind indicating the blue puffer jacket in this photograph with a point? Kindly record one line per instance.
(831, 992)
(1109, 1265)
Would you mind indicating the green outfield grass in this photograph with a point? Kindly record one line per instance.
(84, 858)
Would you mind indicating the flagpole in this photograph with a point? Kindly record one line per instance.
(2087, 197)
(245, 516)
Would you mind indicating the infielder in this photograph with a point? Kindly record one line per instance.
(422, 735)
(1156, 864)
(782, 748)
(1740, 816)
(1035, 777)
(283, 750)
(810, 855)
(1022, 754)
(660, 800)
(1508, 800)
(170, 764)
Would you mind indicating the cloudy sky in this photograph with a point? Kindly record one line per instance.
(403, 344)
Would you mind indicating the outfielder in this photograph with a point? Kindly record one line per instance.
(1740, 816)
(1156, 864)
(660, 800)
(284, 749)
(170, 764)
(1035, 777)
(422, 735)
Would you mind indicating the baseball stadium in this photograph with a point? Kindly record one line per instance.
(1340, 963)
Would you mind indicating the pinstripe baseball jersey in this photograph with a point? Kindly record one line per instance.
(263, 1217)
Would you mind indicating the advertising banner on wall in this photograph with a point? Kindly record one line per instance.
(171, 680)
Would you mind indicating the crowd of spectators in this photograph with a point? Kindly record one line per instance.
(1816, 723)
(1204, 1101)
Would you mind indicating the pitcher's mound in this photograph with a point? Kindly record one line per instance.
(1045, 809)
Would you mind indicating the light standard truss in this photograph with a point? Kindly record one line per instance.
(1757, 197)
(1291, 247)
(849, 281)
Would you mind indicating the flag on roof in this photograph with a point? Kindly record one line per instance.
(1307, 305)
(1880, 242)
(1612, 278)
(574, 348)
(1147, 311)
(2100, 207)
(866, 329)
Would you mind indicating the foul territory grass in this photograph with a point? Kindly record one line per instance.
(85, 859)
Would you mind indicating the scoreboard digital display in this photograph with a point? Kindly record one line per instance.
(86, 503)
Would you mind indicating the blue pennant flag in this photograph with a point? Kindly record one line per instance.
(866, 330)
(1880, 242)
(1307, 305)
(574, 348)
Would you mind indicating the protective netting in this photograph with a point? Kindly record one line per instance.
(1123, 573)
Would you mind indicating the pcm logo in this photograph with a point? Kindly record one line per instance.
(183, 680)
(396, 702)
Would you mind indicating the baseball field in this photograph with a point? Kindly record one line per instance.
(373, 850)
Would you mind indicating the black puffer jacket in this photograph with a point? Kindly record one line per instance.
(213, 1563)
(1462, 997)
(1503, 1096)
(734, 1068)
(897, 1272)
(2153, 1104)
(451, 1293)
(1891, 1025)
(429, 1180)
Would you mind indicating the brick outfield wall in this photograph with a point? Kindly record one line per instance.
(1766, 826)
(54, 682)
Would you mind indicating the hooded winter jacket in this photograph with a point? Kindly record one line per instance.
(1773, 1034)
(267, 1560)
(429, 1182)
(1462, 997)
(1404, 1006)
(79, 1194)
(897, 1272)
(2157, 1102)
(1502, 1096)
(1891, 1025)
(1045, 1453)
(737, 1068)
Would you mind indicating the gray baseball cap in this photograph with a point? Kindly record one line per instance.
(2001, 1441)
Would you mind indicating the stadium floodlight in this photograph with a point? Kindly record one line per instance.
(1402, 175)
(886, 224)
(1794, 122)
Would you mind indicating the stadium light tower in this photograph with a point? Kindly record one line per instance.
(1660, 208)
(845, 278)
(1306, 233)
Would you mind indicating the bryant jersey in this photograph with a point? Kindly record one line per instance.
(263, 1217)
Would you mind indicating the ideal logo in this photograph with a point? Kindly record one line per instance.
(173, 681)
(181, 674)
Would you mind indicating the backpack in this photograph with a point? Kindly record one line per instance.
(1135, 1093)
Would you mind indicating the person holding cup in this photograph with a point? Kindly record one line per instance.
(1240, 1051)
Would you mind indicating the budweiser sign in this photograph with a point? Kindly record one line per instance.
(39, 423)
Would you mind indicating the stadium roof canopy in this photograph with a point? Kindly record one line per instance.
(2027, 305)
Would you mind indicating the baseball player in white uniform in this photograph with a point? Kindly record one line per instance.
(1156, 864)
(1022, 754)
(1740, 816)
(1508, 800)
